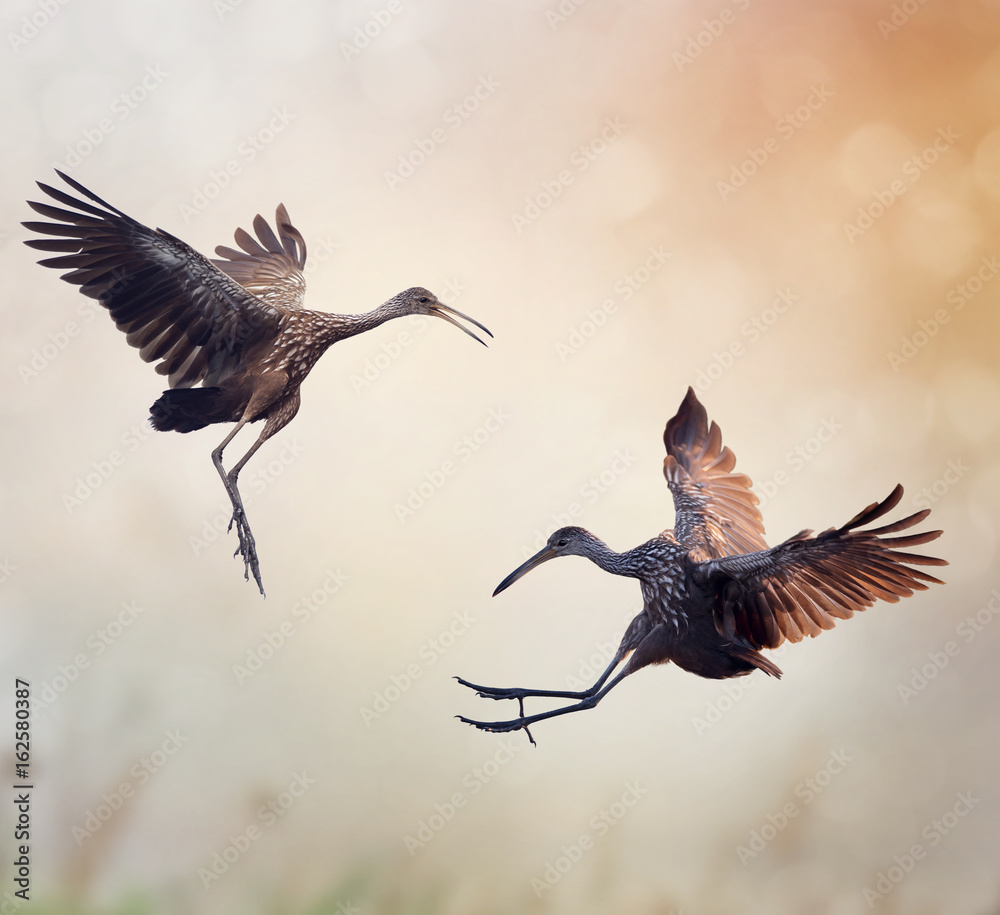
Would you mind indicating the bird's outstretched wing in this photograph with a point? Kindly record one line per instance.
(271, 268)
(717, 513)
(171, 302)
(800, 587)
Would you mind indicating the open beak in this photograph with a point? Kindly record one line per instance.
(541, 556)
(446, 311)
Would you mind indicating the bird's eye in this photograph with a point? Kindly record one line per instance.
(561, 543)
(424, 300)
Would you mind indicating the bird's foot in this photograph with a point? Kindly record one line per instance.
(247, 548)
(493, 692)
(502, 727)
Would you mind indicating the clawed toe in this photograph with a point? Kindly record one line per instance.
(586, 699)
(500, 727)
(490, 692)
(247, 547)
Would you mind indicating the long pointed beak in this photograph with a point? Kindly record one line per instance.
(441, 310)
(541, 556)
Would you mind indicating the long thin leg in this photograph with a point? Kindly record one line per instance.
(217, 454)
(520, 693)
(636, 635)
(523, 722)
(247, 547)
(269, 400)
(235, 472)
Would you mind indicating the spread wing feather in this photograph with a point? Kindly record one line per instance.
(171, 302)
(802, 586)
(272, 267)
(716, 512)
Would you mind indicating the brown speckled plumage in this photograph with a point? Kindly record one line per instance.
(234, 326)
(714, 594)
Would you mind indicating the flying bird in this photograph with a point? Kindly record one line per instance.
(230, 334)
(714, 594)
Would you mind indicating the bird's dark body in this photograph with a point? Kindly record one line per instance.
(676, 622)
(234, 325)
(282, 367)
(714, 594)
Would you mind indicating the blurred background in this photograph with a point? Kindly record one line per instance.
(792, 207)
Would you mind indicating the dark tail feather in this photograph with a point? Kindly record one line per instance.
(187, 409)
(750, 656)
(769, 667)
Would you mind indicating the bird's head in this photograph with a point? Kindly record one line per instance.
(419, 301)
(567, 541)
